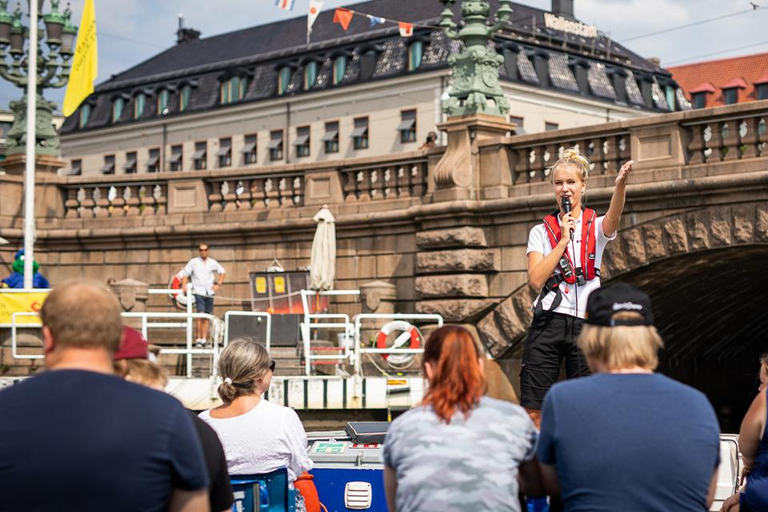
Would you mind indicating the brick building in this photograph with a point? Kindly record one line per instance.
(724, 81)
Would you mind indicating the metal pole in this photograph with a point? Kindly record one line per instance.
(29, 174)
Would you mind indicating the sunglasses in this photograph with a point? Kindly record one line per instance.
(272, 365)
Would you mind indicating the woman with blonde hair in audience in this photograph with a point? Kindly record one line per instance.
(459, 450)
(258, 436)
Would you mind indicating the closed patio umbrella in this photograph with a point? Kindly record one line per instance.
(323, 261)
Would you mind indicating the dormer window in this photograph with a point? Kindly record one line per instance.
(162, 100)
(415, 54)
(184, 95)
(339, 69)
(85, 115)
(731, 95)
(117, 109)
(310, 75)
(283, 79)
(232, 90)
(138, 105)
(762, 91)
(699, 99)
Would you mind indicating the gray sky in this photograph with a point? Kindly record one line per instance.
(131, 31)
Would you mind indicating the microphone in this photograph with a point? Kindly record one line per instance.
(567, 208)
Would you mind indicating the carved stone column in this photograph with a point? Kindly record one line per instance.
(452, 268)
(132, 294)
(457, 175)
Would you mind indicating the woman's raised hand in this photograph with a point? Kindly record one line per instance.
(621, 179)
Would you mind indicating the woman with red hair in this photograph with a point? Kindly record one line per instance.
(459, 450)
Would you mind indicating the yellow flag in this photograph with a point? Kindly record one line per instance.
(85, 65)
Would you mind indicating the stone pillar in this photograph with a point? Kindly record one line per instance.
(132, 294)
(452, 269)
(377, 297)
(49, 198)
(457, 175)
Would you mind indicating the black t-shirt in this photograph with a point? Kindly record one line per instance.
(79, 440)
(220, 488)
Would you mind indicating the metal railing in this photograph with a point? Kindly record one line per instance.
(14, 325)
(189, 350)
(360, 350)
(307, 326)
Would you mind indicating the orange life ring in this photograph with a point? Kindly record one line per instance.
(401, 325)
(179, 299)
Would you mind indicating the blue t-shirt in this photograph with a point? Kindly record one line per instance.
(630, 442)
(465, 465)
(79, 440)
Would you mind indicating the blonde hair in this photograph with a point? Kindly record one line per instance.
(141, 371)
(241, 364)
(622, 346)
(83, 314)
(572, 156)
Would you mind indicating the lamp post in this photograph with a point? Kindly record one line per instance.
(52, 71)
(475, 88)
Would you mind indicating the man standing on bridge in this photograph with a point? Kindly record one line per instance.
(201, 271)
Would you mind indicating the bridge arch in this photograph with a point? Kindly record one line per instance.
(706, 271)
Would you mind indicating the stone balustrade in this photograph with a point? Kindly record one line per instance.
(724, 137)
(606, 152)
(407, 178)
(115, 199)
(255, 193)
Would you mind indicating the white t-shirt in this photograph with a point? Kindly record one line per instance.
(266, 438)
(200, 273)
(573, 294)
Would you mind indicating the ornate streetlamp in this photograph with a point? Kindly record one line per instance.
(476, 88)
(476, 106)
(52, 71)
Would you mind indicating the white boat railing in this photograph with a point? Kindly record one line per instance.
(15, 325)
(360, 350)
(187, 351)
(325, 321)
(351, 350)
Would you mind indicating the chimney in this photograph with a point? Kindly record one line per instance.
(185, 35)
(655, 61)
(563, 8)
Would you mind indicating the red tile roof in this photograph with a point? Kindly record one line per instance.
(742, 72)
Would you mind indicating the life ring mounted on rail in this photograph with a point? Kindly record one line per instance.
(179, 299)
(410, 332)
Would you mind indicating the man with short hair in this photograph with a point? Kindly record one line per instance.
(200, 271)
(627, 438)
(78, 438)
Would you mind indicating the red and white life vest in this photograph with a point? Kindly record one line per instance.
(588, 246)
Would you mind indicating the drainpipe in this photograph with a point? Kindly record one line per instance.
(287, 138)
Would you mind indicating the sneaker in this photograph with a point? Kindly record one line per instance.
(200, 343)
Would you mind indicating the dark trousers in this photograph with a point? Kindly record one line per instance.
(551, 338)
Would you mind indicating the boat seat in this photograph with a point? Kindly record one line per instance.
(267, 492)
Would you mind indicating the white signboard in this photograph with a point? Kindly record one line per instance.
(570, 26)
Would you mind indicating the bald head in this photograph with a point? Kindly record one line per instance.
(83, 314)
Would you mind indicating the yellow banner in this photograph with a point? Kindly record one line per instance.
(11, 303)
(85, 63)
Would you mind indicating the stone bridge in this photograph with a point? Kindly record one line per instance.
(448, 225)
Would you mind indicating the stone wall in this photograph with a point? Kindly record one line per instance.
(449, 230)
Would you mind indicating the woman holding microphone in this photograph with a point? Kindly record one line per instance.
(564, 255)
